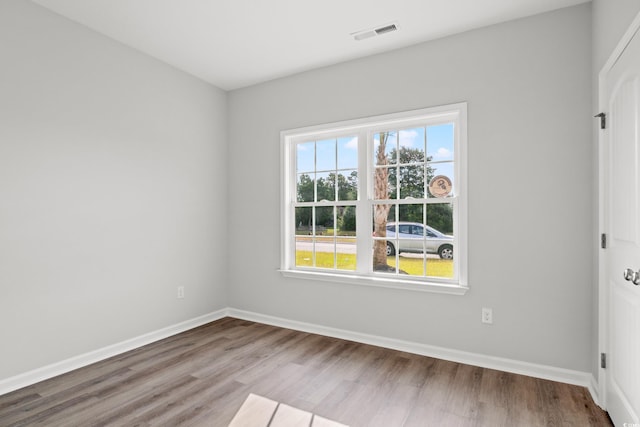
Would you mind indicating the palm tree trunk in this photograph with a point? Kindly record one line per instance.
(381, 211)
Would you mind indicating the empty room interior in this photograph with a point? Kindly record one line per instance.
(162, 262)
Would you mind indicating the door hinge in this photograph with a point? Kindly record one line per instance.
(603, 241)
(603, 120)
(603, 360)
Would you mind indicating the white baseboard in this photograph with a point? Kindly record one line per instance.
(567, 376)
(594, 389)
(64, 366)
(579, 378)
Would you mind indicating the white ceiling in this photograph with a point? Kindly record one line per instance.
(236, 43)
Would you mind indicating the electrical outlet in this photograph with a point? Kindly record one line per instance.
(180, 291)
(487, 315)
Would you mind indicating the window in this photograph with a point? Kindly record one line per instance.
(378, 201)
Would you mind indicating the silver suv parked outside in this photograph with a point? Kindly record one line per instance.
(410, 238)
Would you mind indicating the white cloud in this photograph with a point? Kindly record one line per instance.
(443, 153)
(408, 138)
(352, 144)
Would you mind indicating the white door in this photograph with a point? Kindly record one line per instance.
(622, 224)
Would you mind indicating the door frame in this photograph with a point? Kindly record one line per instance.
(603, 157)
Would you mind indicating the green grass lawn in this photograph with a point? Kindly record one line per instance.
(326, 260)
(413, 266)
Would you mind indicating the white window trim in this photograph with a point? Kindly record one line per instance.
(403, 119)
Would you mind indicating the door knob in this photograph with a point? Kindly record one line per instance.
(629, 275)
(632, 276)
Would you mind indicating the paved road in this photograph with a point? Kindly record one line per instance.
(344, 248)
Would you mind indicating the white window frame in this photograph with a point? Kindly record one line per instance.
(364, 129)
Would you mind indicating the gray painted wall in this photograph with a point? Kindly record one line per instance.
(528, 88)
(112, 190)
(610, 20)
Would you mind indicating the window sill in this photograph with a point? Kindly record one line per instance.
(383, 282)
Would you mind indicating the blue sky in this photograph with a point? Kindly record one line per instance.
(439, 148)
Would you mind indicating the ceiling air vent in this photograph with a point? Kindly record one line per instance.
(384, 29)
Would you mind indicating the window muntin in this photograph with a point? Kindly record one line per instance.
(331, 174)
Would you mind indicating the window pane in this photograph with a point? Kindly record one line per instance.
(324, 221)
(346, 253)
(326, 155)
(348, 185)
(409, 156)
(304, 251)
(305, 187)
(444, 187)
(389, 268)
(411, 146)
(304, 221)
(384, 146)
(440, 219)
(305, 154)
(440, 142)
(383, 217)
(414, 244)
(411, 213)
(384, 258)
(412, 182)
(441, 268)
(348, 153)
(304, 239)
(411, 261)
(385, 183)
(326, 188)
(346, 221)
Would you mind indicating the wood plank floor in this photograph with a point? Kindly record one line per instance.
(201, 377)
